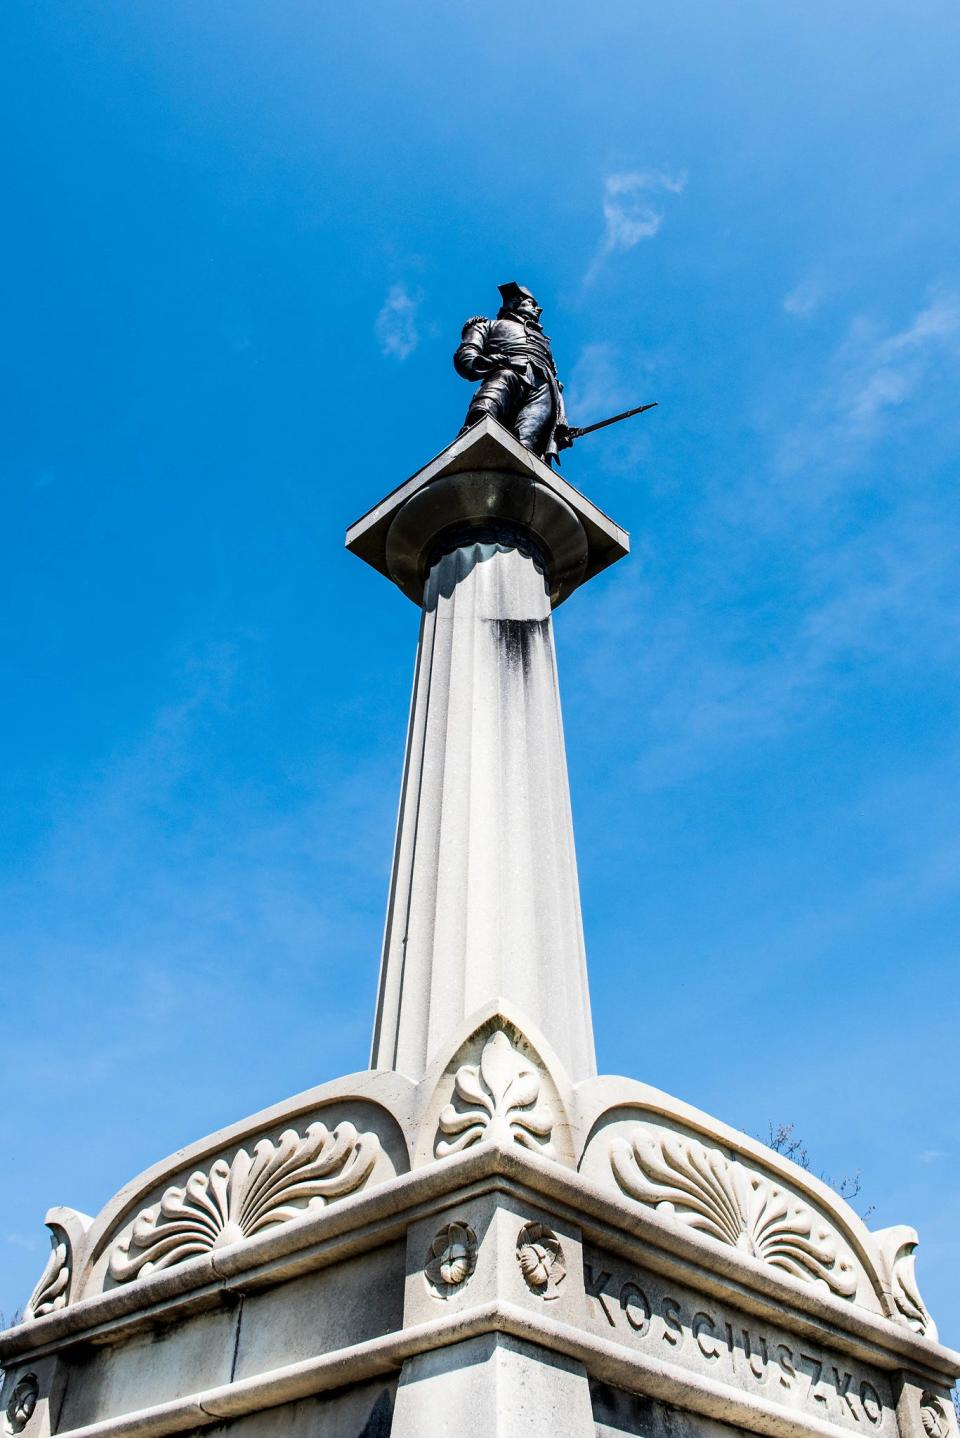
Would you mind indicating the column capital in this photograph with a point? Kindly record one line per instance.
(487, 478)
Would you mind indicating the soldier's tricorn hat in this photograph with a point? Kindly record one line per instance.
(511, 292)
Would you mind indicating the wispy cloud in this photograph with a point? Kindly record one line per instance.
(803, 300)
(872, 377)
(873, 587)
(713, 682)
(631, 212)
(396, 325)
(28, 1242)
(596, 382)
(881, 374)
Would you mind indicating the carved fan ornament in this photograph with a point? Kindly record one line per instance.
(721, 1198)
(235, 1200)
(499, 1099)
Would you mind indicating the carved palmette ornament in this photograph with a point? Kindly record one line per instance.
(451, 1260)
(722, 1198)
(499, 1099)
(51, 1292)
(67, 1229)
(897, 1247)
(541, 1259)
(236, 1200)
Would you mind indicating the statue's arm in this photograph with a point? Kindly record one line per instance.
(471, 360)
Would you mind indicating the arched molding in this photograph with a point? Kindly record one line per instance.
(646, 1145)
(376, 1105)
(496, 1079)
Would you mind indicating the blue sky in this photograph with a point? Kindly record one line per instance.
(240, 242)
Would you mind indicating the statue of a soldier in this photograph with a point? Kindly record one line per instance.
(512, 359)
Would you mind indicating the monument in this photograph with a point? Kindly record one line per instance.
(478, 1237)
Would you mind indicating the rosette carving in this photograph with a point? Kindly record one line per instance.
(236, 1200)
(23, 1402)
(499, 1099)
(722, 1198)
(541, 1259)
(897, 1248)
(452, 1259)
(935, 1416)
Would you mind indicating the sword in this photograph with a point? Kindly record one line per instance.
(570, 433)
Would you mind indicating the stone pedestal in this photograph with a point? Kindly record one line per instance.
(484, 899)
(479, 1237)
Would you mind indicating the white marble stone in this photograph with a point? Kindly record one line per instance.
(493, 1387)
(484, 899)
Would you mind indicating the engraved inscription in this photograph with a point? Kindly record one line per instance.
(701, 1334)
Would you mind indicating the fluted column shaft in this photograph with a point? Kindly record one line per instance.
(484, 898)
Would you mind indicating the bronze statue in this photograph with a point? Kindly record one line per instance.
(512, 359)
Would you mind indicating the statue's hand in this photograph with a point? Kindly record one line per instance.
(563, 437)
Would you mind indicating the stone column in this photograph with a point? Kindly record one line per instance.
(484, 899)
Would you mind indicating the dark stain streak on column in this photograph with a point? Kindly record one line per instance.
(517, 638)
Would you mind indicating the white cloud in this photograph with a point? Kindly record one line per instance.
(396, 325)
(803, 299)
(870, 377)
(629, 211)
(27, 1242)
(604, 379)
(596, 383)
(713, 681)
(881, 374)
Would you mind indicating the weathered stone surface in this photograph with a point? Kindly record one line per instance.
(495, 1386)
(168, 1362)
(620, 1414)
(484, 899)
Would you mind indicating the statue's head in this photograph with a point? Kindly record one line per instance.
(517, 300)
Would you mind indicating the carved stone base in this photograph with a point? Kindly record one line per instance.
(492, 1251)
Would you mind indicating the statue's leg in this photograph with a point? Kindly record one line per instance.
(498, 396)
(534, 421)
